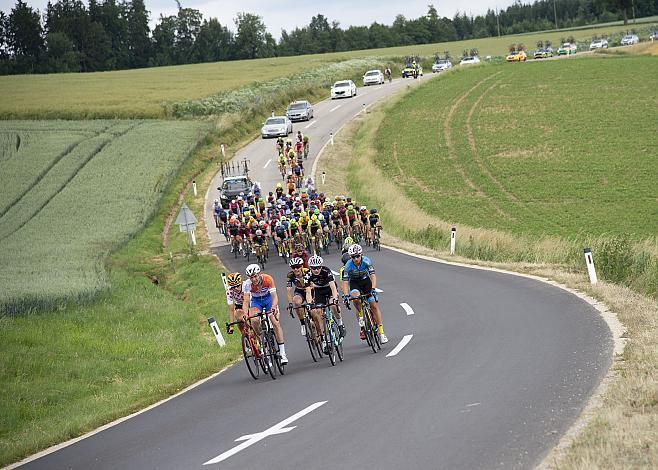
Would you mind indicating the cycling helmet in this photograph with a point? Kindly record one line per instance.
(296, 262)
(261, 223)
(350, 207)
(315, 261)
(252, 270)
(321, 217)
(234, 279)
(348, 242)
(289, 141)
(216, 201)
(284, 219)
(364, 208)
(314, 217)
(355, 250)
(316, 211)
(279, 185)
(335, 212)
(373, 211)
(303, 214)
(259, 232)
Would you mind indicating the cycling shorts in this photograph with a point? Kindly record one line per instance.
(321, 295)
(262, 303)
(300, 292)
(373, 222)
(362, 286)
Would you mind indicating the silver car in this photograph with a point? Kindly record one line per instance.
(276, 126)
(300, 110)
(630, 39)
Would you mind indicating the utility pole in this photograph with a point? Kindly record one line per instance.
(498, 21)
(555, 13)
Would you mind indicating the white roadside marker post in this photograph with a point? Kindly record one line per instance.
(194, 188)
(331, 137)
(453, 240)
(590, 266)
(221, 148)
(324, 175)
(216, 331)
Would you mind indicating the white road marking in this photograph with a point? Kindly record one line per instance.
(311, 124)
(400, 345)
(334, 109)
(407, 308)
(268, 162)
(251, 439)
(473, 404)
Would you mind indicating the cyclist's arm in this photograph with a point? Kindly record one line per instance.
(373, 279)
(246, 301)
(231, 313)
(334, 289)
(309, 299)
(275, 300)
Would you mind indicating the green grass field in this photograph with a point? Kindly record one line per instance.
(73, 192)
(143, 93)
(561, 148)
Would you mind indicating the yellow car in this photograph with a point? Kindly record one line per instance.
(516, 56)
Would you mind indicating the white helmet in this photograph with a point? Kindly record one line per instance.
(252, 270)
(315, 261)
(216, 201)
(259, 232)
(355, 250)
(296, 262)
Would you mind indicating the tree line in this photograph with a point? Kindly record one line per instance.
(115, 34)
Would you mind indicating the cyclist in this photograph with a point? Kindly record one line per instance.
(306, 146)
(235, 300)
(299, 288)
(283, 163)
(387, 72)
(363, 219)
(351, 218)
(260, 296)
(278, 191)
(291, 186)
(279, 144)
(315, 229)
(300, 252)
(279, 234)
(260, 243)
(324, 292)
(375, 222)
(300, 137)
(345, 256)
(358, 278)
(234, 233)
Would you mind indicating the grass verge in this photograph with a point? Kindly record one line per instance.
(619, 429)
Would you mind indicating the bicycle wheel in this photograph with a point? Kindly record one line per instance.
(267, 364)
(309, 341)
(368, 321)
(277, 356)
(338, 341)
(329, 340)
(248, 354)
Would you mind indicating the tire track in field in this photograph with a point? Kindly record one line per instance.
(474, 150)
(452, 154)
(423, 187)
(95, 152)
(47, 170)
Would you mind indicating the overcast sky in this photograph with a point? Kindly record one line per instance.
(288, 14)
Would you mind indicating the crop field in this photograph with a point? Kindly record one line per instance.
(561, 148)
(72, 192)
(144, 93)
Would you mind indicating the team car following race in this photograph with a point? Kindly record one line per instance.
(300, 111)
(343, 89)
(276, 126)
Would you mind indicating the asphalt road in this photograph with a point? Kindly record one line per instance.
(497, 367)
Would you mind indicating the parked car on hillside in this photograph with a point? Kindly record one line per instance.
(598, 44)
(441, 65)
(543, 53)
(630, 39)
(470, 60)
(516, 56)
(567, 48)
(373, 77)
(276, 126)
(343, 89)
(300, 110)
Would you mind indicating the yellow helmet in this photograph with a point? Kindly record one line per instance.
(234, 279)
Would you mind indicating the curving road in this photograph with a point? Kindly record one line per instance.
(492, 370)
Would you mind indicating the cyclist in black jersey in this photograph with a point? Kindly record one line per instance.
(324, 292)
(299, 288)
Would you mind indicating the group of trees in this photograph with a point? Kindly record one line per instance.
(115, 34)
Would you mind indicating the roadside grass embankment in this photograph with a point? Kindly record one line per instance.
(147, 93)
(617, 428)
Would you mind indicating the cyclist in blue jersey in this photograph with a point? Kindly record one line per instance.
(358, 277)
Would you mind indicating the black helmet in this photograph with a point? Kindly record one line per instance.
(373, 211)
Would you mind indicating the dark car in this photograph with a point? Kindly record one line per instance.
(232, 187)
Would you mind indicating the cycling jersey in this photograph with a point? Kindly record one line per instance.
(352, 272)
(260, 240)
(266, 287)
(323, 278)
(235, 297)
(301, 282)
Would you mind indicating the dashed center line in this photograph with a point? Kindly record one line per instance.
(400, 345)
(334, 109)
(268, 162)
(407, 308)
(309, 125)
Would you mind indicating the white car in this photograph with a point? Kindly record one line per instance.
(441, 65)
(373, 77)
(630, 39)
(342, 89)
(470, 60)
(276, 126)
(598, 44)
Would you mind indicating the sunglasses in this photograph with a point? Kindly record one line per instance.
(299, 266)
(355, 256)
(316, 267)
